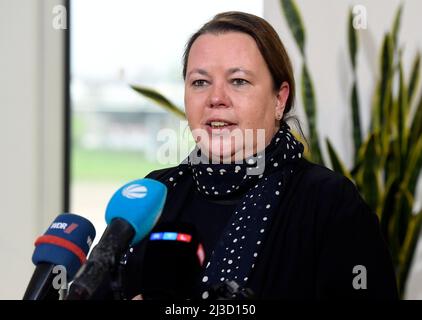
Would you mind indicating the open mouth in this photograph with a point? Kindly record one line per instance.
(219, 124)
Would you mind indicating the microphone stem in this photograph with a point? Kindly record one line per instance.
(103, 259)
(40, 287)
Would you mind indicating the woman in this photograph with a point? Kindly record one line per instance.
(269, 219)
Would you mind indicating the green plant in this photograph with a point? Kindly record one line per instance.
(159, 99)
(388, 163)
(294, 20)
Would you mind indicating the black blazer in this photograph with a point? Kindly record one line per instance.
(323, 240)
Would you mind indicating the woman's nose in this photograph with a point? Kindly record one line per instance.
(218, 96)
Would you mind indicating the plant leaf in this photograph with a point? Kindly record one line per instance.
(388, 201)
(391, 164)
(159, 99)
(353, 47)
(408, 249)
(383, 90)
(414, 77)
(400, 219)
(396, 26)
(416, 126)
(294, 20)
(413, 166)
(402, 112)
(368, 177)
(336, 163)
(309, 104)
(386, 78)
(357, 133)
(384, 104)
(353, 43)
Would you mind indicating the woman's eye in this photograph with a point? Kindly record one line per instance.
(199, 83)
(239, 82)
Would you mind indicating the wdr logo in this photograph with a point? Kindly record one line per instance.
(135, 191)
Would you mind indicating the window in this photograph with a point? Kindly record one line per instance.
(115, 131)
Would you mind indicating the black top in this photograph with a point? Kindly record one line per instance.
(208, 216)
(323, 239)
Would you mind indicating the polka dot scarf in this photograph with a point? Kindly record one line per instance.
(237, 251)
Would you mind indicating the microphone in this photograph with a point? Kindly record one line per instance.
(130, 215)
(62, 248)
(230, 290)
(172, 262)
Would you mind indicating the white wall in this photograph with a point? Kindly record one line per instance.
(31, 127)
(326, 36)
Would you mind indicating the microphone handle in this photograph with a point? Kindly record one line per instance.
(103, 259)
(40, 287)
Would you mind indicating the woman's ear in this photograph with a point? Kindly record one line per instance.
(282, 96)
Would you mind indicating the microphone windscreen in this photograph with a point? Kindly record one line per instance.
(140, 203)
(172, 262)
(66, 242)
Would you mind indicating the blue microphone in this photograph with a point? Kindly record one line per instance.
(66, 243)
(130, 215)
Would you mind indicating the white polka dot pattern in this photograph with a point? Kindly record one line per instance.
(237, 251)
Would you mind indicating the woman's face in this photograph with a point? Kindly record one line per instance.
(230, 101)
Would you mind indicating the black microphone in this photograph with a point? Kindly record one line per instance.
(230, 290)
(131, 214)
(58, 254)
(172, 262)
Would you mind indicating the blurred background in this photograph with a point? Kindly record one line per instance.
(73, 130)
